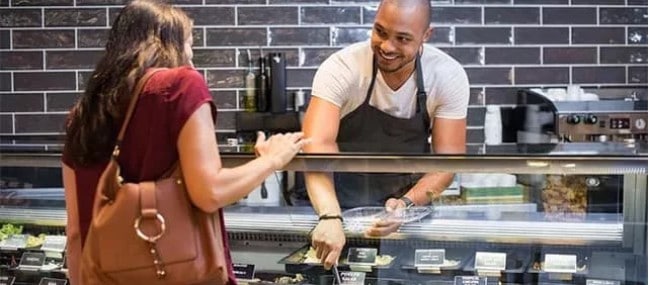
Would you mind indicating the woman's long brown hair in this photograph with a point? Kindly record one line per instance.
(145, 34)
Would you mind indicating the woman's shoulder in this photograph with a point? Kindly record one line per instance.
(178, 75)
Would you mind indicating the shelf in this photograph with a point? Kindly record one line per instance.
(605, 229)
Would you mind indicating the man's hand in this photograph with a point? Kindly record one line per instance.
(328, 239)
(392, 222)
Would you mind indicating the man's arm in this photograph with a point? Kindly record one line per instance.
(321, 123)
(449, 137)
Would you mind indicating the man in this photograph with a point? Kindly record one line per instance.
(388, 94)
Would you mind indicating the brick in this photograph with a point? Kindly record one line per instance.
(226, 78)
(5, 81)
(442, 35)
(83, 78)
(489, 75)
(40, 123)
(75, 17)
(272, 2)
(214, 57)
(44, 81)
(598, 35)
(92, 38)
(512, 55)
(484, 2)
(6, 124)
(21, 60)
(541, 75)
(238, 2)
(315, 56)
(42, 2)
(100, 2)
(225, 120)
(542, 35)
(598, 2)
(225, 100)
(211, 15)
(637, 74)
(58, 102)
(43, 39)
(475, 136)
(24, 102)
(78, 59)
(267, 15)
(236, 37)
(501, 95)
(343, 36)
(623, 16)
(302, 77)
(637, 2)
(330, 15)
(5, 39)
(577, 16)
(623, 55)
(198, 36)
(475, 116)
(569, 55)
(512, 15)
(464, 55)
(598, 75)
(486, 35)
(476, 96)
(456, 15)
(540, 2)
(20, 17)
(299, 36)
(637, 35)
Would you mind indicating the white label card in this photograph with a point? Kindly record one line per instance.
(490, 261)
(352, 278)
(560, 263)
(429, 257)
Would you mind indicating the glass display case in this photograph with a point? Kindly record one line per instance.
(517, 214)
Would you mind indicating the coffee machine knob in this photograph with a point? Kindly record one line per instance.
(603, 138)
(591, 119)
(573, 119)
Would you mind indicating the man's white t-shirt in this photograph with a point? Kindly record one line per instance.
(344, 78)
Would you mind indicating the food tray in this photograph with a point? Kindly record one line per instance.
(295, 262)
(359, 219)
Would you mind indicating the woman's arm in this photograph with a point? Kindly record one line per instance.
(73, 251)
(212, 187)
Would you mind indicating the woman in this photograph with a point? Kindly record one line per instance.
(173, 120)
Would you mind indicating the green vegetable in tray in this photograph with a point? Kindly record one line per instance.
(10, 229)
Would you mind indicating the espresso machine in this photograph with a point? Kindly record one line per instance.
(572, 127)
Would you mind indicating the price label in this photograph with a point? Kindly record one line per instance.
(54, 243)
(601, 282)
(490, 261)
(52, 281)
(560, 263)
(244, 271)
(352, 278)
(470, 280)
(429, 257)
(15, 242)
(7, 280)
(361, 256)
(32, 260)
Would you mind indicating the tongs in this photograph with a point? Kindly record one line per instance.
(334, 268)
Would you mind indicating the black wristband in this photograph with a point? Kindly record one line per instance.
(409, 203)
(328, 217)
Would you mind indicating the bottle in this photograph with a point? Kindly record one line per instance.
(493, 129)
(262, 85)
(299, 100)
(249, 100)
(277, 64)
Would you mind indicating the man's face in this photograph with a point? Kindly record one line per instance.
(397, 35)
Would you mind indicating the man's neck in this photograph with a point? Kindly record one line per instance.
(397, 78)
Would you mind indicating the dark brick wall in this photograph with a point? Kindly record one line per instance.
(48, 48)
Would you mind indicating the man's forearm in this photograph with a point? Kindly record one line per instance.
(429, 186)
(322, 193)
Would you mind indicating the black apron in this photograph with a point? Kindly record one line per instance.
(368, 129)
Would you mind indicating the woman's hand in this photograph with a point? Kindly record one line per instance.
(279, 148)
